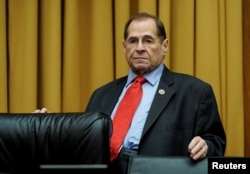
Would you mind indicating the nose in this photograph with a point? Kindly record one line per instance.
(140, 46)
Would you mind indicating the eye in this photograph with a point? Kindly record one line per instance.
(148, 41)
(132, 40)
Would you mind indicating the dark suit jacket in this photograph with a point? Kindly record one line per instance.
(187, 109)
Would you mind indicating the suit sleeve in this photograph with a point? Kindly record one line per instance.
(209, 125)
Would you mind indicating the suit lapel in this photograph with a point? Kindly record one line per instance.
(163, 95)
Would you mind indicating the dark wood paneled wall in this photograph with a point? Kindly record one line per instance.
(246, 71)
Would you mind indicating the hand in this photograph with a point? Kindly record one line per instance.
(43, 110)
(198, 148)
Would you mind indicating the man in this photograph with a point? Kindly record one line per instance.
(177, 114)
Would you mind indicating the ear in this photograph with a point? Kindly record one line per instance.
(124, 46)
(165, 46)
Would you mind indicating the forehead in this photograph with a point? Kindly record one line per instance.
(142, 27)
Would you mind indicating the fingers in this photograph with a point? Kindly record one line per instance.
(198, 148)
(43, 110)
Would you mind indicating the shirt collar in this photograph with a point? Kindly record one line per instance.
(152, 78)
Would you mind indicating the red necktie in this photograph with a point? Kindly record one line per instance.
(124, 115)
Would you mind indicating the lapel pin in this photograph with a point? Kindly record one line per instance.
(161, 91)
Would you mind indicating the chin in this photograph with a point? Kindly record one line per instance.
(141, 69)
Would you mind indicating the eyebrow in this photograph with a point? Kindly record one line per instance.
(145, 36)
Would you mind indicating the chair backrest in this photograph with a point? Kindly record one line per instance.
(167, 165)
(29, 140)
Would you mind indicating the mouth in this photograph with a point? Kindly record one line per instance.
(140, 58)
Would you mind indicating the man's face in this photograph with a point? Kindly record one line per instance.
(143, 49)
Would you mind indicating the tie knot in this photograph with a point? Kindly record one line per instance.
(140, 79)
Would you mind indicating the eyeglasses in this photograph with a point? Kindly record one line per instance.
(146, 41)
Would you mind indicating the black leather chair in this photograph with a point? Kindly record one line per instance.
(28, 141)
